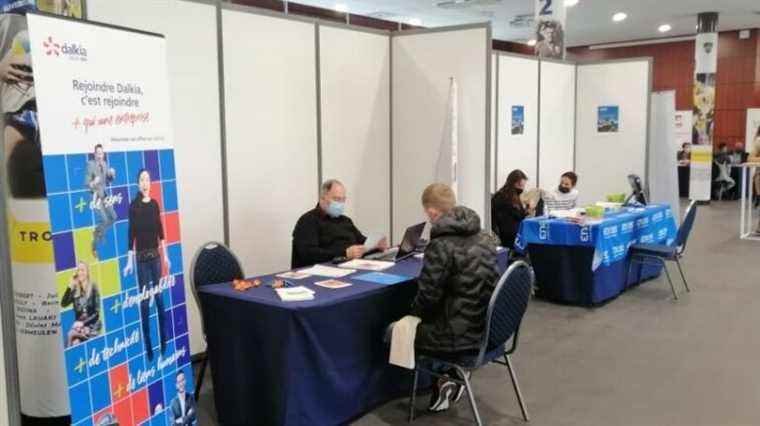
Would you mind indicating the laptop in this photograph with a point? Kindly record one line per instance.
(412, 243)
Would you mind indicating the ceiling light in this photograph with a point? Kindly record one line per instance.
(570, 3)
(664, 28)
(532, 42)
(417, 22)
(620, 16)
(341, 7)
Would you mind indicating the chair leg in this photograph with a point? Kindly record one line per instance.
(667, 274)
(471, 396)
(513, 376)
(683, 277)
(201, 375)
(413, 395)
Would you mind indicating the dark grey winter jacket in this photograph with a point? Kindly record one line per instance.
(458, 276)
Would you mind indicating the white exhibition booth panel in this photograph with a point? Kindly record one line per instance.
(423, 64)
(604, 160)
(190, 29)
(494, 120)
(355, 121)
(518, 86)
(556, 154)
(663, 165)
(271, 121)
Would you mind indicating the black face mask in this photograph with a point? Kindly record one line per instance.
(563, 189)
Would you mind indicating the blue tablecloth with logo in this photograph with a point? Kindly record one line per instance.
(587, 264)
(318, 362)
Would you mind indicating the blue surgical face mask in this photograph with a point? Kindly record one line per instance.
(335, 209)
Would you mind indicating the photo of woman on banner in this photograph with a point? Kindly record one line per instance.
(704, 109)
(71, 8)
(83, 294)
(549, 39)
(23, 154)
(146, 237)
(99, 175)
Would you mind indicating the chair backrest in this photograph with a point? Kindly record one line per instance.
(507, 306)
(213, 263)
(685, 229)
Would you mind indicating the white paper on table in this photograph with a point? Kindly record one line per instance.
(293, 275)
(333, 284)
(295, 294)
(367, 265)
(372, 241)
(328, 271)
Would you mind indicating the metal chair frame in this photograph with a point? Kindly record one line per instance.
(479, 361)
(206, 246)
(649, 259)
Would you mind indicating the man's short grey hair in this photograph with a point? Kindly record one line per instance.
(328, 185)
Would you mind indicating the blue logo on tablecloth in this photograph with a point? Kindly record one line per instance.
(618, 251)
(662, 234)
(543, 230)
(642, 223)
(585, 233)
(627, 228)
(647, 239)
(610, 231)
(657, 217)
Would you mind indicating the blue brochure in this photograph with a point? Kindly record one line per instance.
(382, 278)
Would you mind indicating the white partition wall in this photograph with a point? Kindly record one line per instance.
(271, 128)
(191, 38)
(494, 119)
(557, 129)
(423, 64)
(517, 148)
(355, 121)
(604, 159)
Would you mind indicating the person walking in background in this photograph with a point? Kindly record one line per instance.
(508, 210)
(99, 175)
(146, 235)
(83, 294)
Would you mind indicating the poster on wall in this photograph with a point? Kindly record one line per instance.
(518, 119)
(753, 132)
(104, 114)
(608, 119)
(703, 116)
(42, 383)
(683, 129)
(550, 29)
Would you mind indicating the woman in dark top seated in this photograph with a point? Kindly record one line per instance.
(507, 210)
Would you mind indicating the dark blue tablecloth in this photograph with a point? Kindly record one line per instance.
(319, 362)
(586, 265)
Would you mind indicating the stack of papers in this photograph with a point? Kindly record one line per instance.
(332, 284)
(366, 264)
(295, 294)
(327, 271)
(293, 275)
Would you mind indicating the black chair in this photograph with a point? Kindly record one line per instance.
(657, 254)
(213, 263)
(504, 316)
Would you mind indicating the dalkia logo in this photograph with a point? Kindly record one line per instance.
(73, 51)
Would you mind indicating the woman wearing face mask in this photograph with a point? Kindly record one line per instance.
(508, 209)
(84, 295)
(146, 236)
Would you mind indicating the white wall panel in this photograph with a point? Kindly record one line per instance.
(271, 113)
(518, 85)
(557, 130)
(423, 64)
(494, 120)
(191, 38)
(355, 98)
(603, 160)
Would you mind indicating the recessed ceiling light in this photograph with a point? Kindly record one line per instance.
(620, 16)
(532, 42)
(664, 28)
(570, 3)
(341, 7)
(417, 22)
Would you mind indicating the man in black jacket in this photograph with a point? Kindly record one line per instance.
(458, 276)
(324, 233)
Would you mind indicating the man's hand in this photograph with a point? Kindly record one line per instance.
(355, 252)
(383, 244)
(12, 70)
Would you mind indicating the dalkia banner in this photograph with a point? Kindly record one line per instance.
(42, 383)
(104, 116)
